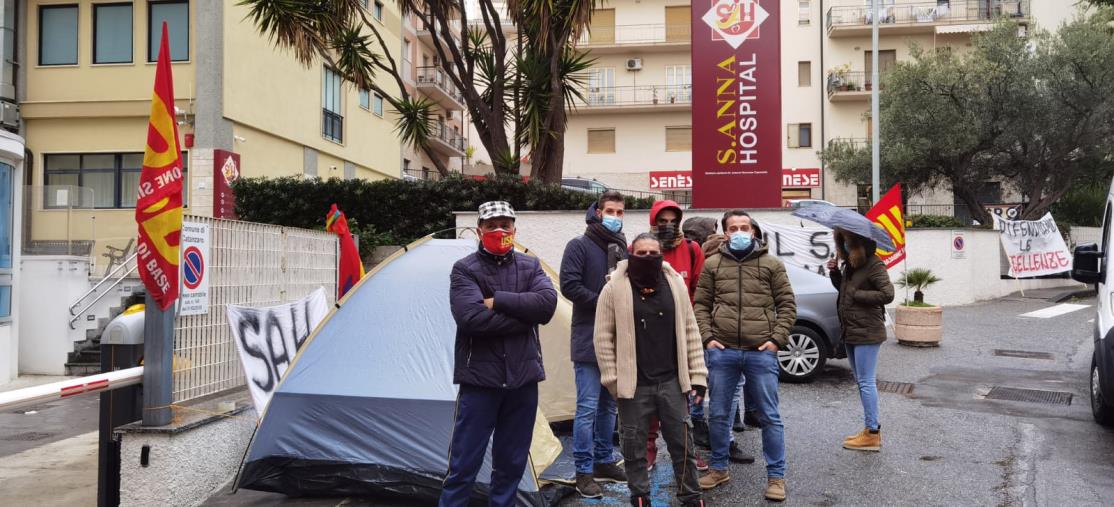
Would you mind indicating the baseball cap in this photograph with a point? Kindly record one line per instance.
(493, 209)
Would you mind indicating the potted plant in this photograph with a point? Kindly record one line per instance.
(916, 323)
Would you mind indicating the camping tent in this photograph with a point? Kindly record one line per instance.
(367, 407)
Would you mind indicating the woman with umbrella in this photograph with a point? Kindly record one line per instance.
(864, 291)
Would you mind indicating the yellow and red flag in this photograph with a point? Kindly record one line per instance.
(887, 213)
(158, 212)
(351, 267)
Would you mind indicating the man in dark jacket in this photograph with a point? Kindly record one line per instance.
(584, 268)
(498, 299)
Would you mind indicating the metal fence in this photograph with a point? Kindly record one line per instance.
(940, 11)
(249, 265)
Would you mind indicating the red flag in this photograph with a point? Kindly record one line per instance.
(887, 213)
(351, 268)
(158, 211)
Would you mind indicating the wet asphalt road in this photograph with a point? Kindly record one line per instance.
(944, 444)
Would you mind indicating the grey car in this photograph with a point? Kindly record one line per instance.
(816, 335)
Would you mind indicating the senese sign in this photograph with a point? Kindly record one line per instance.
(670, 180)
(801, 177)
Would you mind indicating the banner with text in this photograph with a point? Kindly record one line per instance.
(736, 110)
(1034, 247)
(805, 247)
(269, 338)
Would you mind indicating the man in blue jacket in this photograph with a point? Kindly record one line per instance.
(584, 268)
(498, 299)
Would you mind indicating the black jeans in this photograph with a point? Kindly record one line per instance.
(670, 405)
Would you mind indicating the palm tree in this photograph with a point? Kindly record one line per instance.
(523, 88)
(917, 279)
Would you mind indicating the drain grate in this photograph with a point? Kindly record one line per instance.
(30, 436)
(1024, 354)
(895, 387)
(1029, 395)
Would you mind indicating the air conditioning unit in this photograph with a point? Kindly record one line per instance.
(9, 115)
(634, 64)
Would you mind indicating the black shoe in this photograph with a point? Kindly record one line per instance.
(700, 434)
(640, 501)
(736, 455)
(693, 503)
(587, 487)
(610, 472)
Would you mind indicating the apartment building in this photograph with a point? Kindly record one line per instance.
(422, 72)
(86, 77)
(632, 130)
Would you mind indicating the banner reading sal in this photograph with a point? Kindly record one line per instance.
(158, 211)
(736, 110)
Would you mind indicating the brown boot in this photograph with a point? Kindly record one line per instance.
(855, 436)
(866, 441)
(714, 478)
(775, 489)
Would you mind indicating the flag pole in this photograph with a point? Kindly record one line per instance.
(875, 156)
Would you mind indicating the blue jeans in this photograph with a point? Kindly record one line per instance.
(864, 363)
(725, 367)
(594, 424)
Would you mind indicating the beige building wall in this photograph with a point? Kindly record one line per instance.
(272, 103)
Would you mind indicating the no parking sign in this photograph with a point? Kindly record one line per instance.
(195, 269)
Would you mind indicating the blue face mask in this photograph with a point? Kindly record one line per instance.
(613, 224)
(741, 241)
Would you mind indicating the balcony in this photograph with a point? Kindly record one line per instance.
(446, 141)
(433, 82)
(623, 38)
(942, 16)
(332, 126)
(425, 35)
(650, 98)
(857, 143)
(849, 86)
(507, 26)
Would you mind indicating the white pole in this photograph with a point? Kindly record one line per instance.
(58, 390)
(875, 156)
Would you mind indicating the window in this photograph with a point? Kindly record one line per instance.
(601, 140)
(378, 10)
(678, 138)
(6, 213)
(112, 33)
(176, 14)
(800, 135)
(601, 86)
(365, 98)
(332, 125)
(58, 35)
(377, 104)
(802, 12)
(111, 178)
(678, 23)
(804, 74)
(678, 81)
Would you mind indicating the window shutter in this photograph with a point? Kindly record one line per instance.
(678, 138)
(601, 141)
(794, 136)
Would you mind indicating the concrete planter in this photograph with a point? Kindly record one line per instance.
(919, 327)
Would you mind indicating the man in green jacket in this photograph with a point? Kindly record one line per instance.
(745, 308)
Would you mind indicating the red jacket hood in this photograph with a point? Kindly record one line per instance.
(660, 205)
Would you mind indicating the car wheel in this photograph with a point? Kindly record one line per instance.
(1101, 407)
(804, 356)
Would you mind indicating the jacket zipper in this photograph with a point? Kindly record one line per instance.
(739, 313)
(468, 362)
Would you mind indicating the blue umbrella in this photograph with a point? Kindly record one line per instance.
(848, 220)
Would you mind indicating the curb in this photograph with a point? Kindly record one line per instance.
(1074, 293)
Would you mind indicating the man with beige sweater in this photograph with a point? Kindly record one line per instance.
(651, 359)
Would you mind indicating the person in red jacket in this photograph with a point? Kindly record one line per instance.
(686, 257)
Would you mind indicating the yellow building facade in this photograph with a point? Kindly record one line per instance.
(89, 71)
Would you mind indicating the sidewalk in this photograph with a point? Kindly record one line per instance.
(60, 473)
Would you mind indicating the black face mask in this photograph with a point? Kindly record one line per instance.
(667, 234)
(645, 271)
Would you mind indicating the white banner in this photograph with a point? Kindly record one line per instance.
(806, 247)
(269, 338)
(1034, 248)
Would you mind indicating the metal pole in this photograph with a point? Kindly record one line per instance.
(158, 363)
(875, 156)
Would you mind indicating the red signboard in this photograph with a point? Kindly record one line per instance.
(670, 180)
(736, 110)
(226, 170)
(800, 177)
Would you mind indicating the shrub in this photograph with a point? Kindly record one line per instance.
(935, 222)
(917, 279)
(395, 211)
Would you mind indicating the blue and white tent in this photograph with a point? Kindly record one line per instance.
(367, 407)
